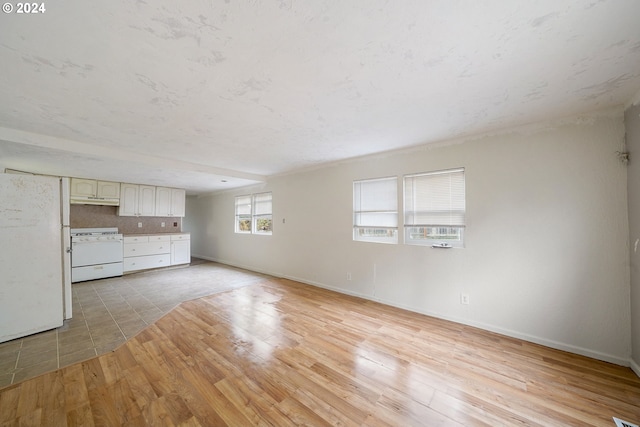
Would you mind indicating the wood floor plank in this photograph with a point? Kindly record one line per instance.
(280, 353)
(80, 416)
(9, 399)
(53, 407)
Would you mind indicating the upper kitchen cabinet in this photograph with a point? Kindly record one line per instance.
(170, 201)
(137, 200)
(93, 192)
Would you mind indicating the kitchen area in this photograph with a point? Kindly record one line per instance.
(78, 230)
(104, 238)
(120, 228)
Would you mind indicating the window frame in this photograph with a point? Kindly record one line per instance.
(254, 215)
(363, 229)
(453, 216)
(262, 215)
(243, 216)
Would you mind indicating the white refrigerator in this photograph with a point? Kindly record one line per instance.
(35, 286)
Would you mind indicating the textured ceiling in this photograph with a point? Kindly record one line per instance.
(191, 93)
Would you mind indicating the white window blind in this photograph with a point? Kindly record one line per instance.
(254, 213)
(375, 210)
(243, 214)
(262, 213)
(434, 207)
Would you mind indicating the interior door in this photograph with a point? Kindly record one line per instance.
(31, 283)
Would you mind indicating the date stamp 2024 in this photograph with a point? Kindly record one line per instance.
(24, 8)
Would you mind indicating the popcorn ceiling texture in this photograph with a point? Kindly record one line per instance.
(220, 94)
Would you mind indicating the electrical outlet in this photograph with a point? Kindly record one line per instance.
(464, 298)
(348, 275)
(139, 225)
(162, 224)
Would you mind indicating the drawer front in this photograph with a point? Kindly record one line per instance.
(177, 237)
(166, 238)
(149, 248)
(136, 239)
(146, 262)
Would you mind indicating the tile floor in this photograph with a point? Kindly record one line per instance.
(107, 312)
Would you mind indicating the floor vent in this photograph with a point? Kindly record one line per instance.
(621, 423)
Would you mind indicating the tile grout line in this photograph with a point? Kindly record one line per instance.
(112, 318)
(79, 302)
(93, 343)
(15, 366)
(146, 299)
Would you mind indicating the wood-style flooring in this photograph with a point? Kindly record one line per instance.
(281, 353)
(107, 312)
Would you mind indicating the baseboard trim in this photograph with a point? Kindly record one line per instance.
(487, 327)
(236, 265)
(635, 367)
(492, 328)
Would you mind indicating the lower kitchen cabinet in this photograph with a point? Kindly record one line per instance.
(143, 252)
(180, 249)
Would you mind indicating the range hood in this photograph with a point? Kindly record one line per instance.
(92, 200)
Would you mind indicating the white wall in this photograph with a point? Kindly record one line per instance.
(632, 126)
(546, 255)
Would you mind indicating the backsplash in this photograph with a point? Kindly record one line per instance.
(90, 216)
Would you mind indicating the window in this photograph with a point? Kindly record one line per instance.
(243, 214)
(262, 217)
(254, 214)
(375, 210)
(434, 208)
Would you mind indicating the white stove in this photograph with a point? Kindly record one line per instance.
(96, 253)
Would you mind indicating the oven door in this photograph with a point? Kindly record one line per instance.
(91, 252)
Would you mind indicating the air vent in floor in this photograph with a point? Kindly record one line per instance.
(621, 423)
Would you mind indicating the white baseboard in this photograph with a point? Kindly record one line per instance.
(236, 265)
(492, 328)
(502, 331)
(635, 367)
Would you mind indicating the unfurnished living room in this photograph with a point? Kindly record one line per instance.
(320, 213)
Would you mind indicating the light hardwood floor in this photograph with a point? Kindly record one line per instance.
(107, 312)
(283, 353)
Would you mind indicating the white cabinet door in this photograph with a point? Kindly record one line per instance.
(93, 192)
(180, 252)
(137, 200)
(83, 187)
(147, 200)
(178, 197)
(108, 190)
(128, 200)
(170, 201)
(163, 201)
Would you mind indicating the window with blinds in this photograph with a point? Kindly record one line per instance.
(262, 215)
(243, 214)
(375, 210)
(254, 214)
(434, 208)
